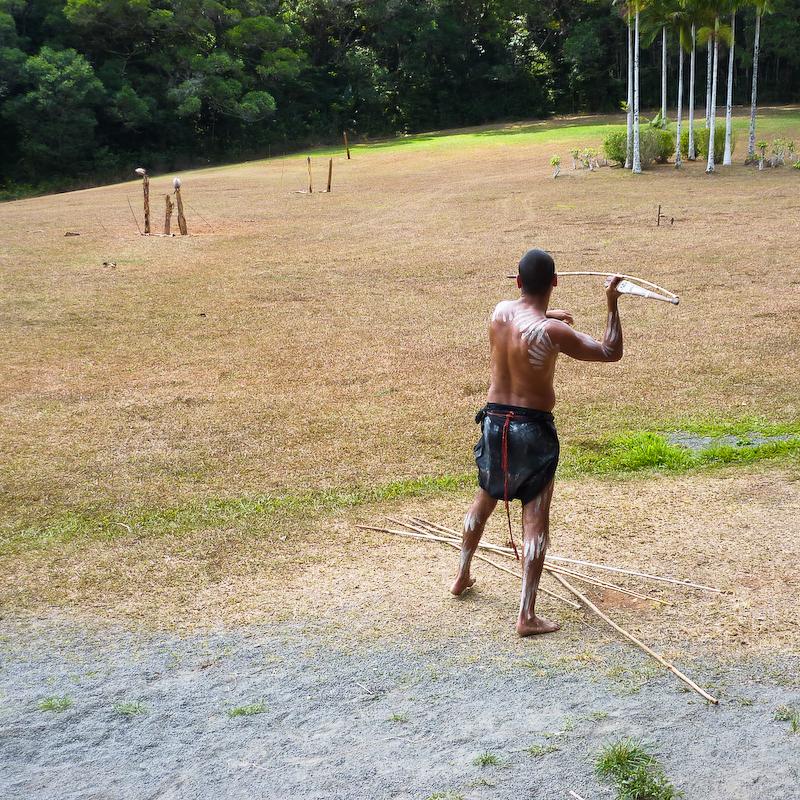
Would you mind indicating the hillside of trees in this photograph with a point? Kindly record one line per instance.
(91, 88)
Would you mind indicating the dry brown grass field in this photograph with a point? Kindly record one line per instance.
(296, 343)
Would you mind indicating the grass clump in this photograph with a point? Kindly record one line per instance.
(128, 708)
(445, 796)
(487, 759)
(538, 750)
(398, 718)
(635, 772)
(55, 703)
(790, 715)
(247, 711)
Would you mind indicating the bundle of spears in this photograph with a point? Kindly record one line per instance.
(560, 569)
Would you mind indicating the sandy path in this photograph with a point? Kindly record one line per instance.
(326, 729)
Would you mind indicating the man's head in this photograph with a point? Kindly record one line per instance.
(537, 272)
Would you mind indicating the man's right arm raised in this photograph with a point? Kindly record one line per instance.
(583, 347)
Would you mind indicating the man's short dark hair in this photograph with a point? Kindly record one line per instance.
(536, 270)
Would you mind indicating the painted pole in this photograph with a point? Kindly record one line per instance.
(146, 192)
(168, 214)
(176, 184)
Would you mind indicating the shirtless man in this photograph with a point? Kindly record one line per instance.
(517, 453)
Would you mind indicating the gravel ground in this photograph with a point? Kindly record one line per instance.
(387, 719)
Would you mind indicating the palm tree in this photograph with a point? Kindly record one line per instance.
(626, 12)
(726, 159)
(713, 35)
(629, 121)
(677, 20)
(636, 166)
(712, 110)
(657, 16)
(690, 154)
(695, 13)
(709, 69)
(762, 7)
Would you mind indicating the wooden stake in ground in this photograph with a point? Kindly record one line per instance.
(168, 214)
(346, 145)
(146, 191)
(330, 173)
(176, 183)
(310, 185)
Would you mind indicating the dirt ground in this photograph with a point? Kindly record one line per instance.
(337, 339)
(339, 720)
(301, 342)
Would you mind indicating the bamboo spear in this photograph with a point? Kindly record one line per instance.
(582, 597)
(590, 579)
(592, 564)
(630, 637)
(431, 538)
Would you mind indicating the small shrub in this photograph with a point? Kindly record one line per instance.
(701, 137)
(655, 145)
(615, 145)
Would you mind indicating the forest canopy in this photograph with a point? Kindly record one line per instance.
(91, 88)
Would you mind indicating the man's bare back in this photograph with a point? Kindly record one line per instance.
(526, 337)
(518, 451)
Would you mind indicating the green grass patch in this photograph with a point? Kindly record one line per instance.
(649, 451)
(538, 750)
(129, 708)
(635, 772)
(626, 454)
(247, 711)
(398, 718)
(790, 715)
(448, 795)
(488, 759)
(55, 703)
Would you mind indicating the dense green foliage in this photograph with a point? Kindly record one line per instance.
(656, 144)
(701, 137)
(91, 88)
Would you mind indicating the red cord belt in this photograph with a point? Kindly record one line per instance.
(507, 417)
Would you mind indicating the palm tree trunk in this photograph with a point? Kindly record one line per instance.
(712, 110)
(680, 107)
(636, 168)
(664, 75)
(751, 141)
(709, 67)
(629, 139)
(726, 159)
(690, 154)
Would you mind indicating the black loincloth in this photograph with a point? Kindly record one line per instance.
(531, 447)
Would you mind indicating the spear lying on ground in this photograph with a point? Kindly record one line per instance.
(420, 529)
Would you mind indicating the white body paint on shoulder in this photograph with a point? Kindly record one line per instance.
(540, 346)
(532, 328)
(503, 311)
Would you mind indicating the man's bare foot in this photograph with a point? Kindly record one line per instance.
(536, 625)
(461, 584)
